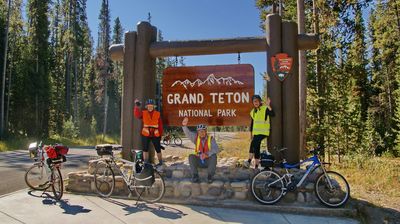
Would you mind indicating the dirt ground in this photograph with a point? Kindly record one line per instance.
(187, 146)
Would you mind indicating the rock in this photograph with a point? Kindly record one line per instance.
(204, 187)
(206, 198)
(213, 191)
(169, 191)
(241, 184)
(196, 190)
(175, 158)
(177, 174)
(240, 195)
(217, 184)
(184, 188)
(167, 158)
(290, 197)
(311, 198)
(309, 186)
(300, 197)
(228, 194)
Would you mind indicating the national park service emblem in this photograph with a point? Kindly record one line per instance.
(281, 65)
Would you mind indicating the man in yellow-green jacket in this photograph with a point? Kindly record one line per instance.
(260, 127)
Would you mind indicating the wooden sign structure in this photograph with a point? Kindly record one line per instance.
(141, 48)
(214, 95)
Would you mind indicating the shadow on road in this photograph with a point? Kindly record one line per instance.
(158, 210)
(63, 204)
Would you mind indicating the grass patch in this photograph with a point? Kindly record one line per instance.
(237, 147)
(375, 179)
(14, 143)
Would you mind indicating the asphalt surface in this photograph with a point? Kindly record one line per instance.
(31, 207)
(13, 165)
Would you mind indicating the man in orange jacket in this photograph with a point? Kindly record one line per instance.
(152, 128)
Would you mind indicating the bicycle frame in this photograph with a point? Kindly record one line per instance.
(315, 164)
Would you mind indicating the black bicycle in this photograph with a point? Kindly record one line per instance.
(141, 178)
(172, 137)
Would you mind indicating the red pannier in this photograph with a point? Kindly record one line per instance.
(61, 150)
(51, 152)
(54, 152)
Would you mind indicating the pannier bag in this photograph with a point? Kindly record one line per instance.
(266, 159)
(33, 150)
(56, 154)
(61, 150)
(105, 149)
(146, 176)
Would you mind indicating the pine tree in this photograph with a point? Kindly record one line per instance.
(37, 76)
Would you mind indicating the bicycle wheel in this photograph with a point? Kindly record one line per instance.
(178, 141)
(104, 179)
(152, 193)
(332, 189)
(267, 187)
(57, 184)
(166, 141)
(37, 177)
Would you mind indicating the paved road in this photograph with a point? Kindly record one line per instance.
(13, 165)
(29, 207)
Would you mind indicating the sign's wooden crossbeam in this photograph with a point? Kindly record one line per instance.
(213, 46)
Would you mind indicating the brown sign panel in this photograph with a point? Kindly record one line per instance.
(217, 95)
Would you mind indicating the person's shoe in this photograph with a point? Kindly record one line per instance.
(195, 179)
(210, 179)
(246, 164)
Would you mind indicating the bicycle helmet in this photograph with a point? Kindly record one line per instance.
(201, 127)
(256, 97)
(150, 102)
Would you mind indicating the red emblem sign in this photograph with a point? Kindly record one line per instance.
(281, 65)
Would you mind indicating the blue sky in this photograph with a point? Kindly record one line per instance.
(189, 19)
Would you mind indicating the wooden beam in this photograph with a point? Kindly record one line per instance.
(205, 47)
(127, 93)
(274, 86)
(213, 46)
(117, 52)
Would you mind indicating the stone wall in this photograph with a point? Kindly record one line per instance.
(230, 183)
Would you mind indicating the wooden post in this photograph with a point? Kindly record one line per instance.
(290, 91)
(127, 94)
(145, 76)
(273, 31)
(302, 81)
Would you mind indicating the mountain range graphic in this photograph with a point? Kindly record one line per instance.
(210, 81)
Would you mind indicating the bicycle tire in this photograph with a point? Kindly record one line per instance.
(318, 191)
(141, 190)
(102, 177)
(177, 141)
(57, 181)
(166, 141)
(41, 184)
(257, 186)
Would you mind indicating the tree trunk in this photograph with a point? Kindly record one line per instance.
(302, 80)
(4, 70)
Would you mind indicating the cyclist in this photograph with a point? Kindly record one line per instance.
(152, 128)
(205, 152)
(260, 127)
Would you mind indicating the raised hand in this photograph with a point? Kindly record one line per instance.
(137, 102)
(185, 121)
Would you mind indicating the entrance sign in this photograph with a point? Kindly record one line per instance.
(217, 95)
(281, 65)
